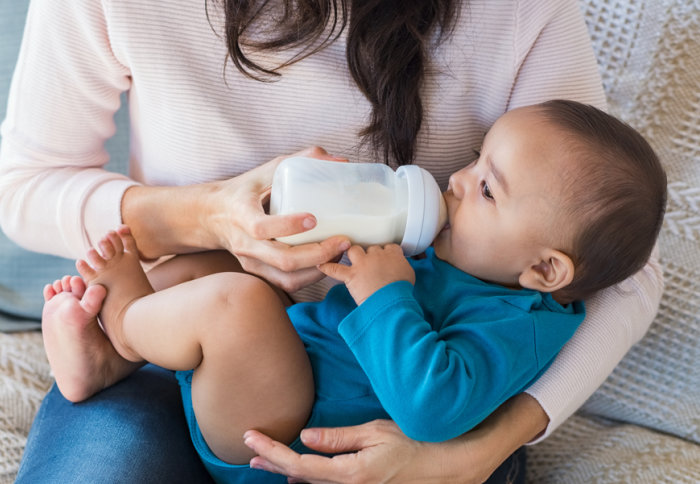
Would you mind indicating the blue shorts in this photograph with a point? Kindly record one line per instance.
(344, 395)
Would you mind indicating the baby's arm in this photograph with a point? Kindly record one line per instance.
(371, 270)
(437, 383)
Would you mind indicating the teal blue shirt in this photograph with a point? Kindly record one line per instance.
(443, 354)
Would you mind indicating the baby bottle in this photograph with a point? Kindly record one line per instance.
(368, 202)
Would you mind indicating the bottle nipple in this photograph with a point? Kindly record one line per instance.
(427, 212)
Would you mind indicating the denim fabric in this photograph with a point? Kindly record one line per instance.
(133, 432)
(512, 471)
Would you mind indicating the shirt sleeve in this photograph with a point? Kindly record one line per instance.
(55, 197)
(437, 383)
(556, 60)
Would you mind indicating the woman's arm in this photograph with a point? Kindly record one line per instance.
(229, 215)
(379, 452)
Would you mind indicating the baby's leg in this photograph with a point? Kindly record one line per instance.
(82, 358)
(251, 369)
(254, 372)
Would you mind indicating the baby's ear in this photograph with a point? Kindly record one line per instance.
(553, 272)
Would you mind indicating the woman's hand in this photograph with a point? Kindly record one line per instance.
(379, 452)
(248, 232)
(230, 215)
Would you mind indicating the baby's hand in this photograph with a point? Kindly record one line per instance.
(371, 270)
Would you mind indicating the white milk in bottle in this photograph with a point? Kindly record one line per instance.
(367, 202)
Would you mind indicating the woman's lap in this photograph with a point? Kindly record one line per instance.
(134, 431)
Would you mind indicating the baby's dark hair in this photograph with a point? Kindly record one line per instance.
(616, 196)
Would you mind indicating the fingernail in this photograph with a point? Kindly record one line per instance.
(309, 223)
(248, 440)
(345, 245)
(310, 436)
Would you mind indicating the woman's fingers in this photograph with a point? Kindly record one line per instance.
(376, 451)
(278, 458)
(292, 258)
(241, 225)
(291, 268)
(335, 440)
(289, 282)
(262, 227)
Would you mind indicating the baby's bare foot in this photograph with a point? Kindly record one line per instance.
(82, 359)
(119, 270)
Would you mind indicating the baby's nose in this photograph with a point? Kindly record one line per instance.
(455, 186)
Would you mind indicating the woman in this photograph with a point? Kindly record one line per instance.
(420, 82)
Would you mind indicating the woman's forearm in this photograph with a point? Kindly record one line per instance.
(225, 214)
(169, 220)
(515, 423)
(229, 214)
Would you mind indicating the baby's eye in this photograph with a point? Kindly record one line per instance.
(486, 191)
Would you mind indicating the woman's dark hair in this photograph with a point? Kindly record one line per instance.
(616, 196)
(387, 48)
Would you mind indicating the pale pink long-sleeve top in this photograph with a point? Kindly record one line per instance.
(193, 120)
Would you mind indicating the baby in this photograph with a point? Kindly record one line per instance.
(563, 200)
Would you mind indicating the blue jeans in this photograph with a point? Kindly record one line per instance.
(133, 432)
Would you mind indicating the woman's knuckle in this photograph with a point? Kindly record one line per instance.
(246, 263)
(286, 287)
(334, 438)
(257, 230)
(285, 264)
(289, 285)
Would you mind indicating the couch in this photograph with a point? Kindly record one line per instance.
(643, 424)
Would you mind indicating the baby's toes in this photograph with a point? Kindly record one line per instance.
(95, 259)
(77, 286)
(57, 286)
(65, 283)
(85, 270)
(116, 242)
(107, 249)
(128, 240)
(92, 300)
(49, 292)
